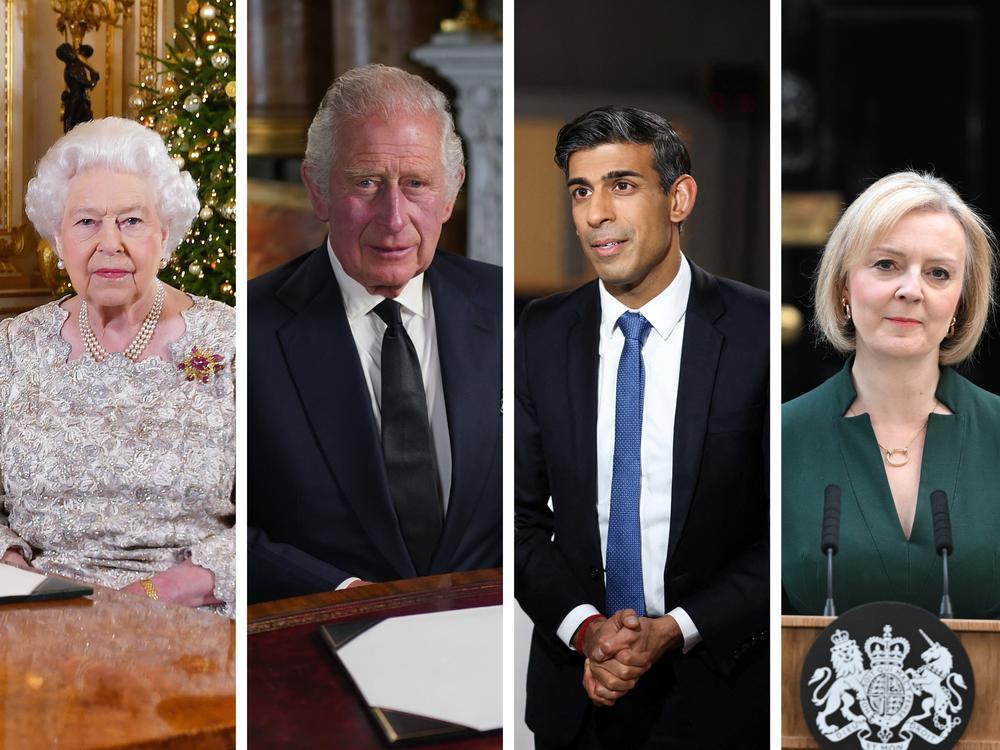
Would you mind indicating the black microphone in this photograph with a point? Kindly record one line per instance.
(942, 542)
(830, 543)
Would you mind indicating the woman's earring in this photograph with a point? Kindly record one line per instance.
(951, 328)
(60, 265)
(163, 263)
(847, 307)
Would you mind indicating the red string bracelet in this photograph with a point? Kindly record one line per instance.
(582, 630)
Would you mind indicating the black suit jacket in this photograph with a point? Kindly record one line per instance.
(319, 503)
(717, 558)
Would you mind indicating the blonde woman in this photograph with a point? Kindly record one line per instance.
(904, 289)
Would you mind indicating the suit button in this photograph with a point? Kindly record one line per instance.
(595, 573)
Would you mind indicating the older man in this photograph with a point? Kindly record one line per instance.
(640, 477)
(374, 361)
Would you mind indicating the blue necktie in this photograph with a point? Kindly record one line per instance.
(624, 554)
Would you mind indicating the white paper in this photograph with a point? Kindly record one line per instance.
(17, 581)
(446, 665)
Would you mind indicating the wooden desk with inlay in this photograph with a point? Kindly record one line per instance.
(116, 671)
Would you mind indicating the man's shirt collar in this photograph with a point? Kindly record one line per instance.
(663, 312)
(358, 302)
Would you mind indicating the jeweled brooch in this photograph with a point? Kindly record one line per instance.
(201, 365)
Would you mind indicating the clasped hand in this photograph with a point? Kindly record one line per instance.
(620, 649)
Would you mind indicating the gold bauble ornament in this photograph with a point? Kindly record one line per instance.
(205, 214)
(231, 89)
(226, 288)
(194, 154)
(228, 130)
(195, 269)
(228, 210)
(169, 87)
(209, 37)
(192, 7)
(137, 101)
(163, 128)
(207, 11)
(212, 198)
(192, 104)
(179, 161)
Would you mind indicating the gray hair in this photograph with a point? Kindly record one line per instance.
(871, 217)
(119, 145)
(387, 92)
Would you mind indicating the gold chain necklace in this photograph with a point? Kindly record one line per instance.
(904, 452)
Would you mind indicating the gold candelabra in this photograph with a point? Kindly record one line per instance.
(470, 20)
(77, 17)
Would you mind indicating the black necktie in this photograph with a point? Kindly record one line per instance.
(407, 445)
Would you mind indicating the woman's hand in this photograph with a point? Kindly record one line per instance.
(184, 583)
(14, 557)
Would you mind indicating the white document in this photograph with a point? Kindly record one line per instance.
(17, 581)
(444, 665)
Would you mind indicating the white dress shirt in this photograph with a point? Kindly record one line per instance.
(661, 355)
(367, 328)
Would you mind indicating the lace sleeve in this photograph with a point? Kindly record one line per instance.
(8, 538)
(218, 554)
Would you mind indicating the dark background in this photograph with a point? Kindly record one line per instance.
(870, 88)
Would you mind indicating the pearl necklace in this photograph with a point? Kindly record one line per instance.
(139, 343)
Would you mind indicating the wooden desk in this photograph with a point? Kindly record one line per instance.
(981, 639)
(113, 670)
(299, 696)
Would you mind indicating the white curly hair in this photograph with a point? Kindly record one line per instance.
(119, 145)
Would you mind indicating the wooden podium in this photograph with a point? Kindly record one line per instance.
(297, 693)
(981, 639)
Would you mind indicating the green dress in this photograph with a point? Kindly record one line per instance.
(820, 446)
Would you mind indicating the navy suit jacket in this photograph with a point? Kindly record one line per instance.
(319, 504)
(717, 556)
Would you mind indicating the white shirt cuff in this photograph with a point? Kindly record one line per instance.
(567, 628)
(346, 582)
(688, 629)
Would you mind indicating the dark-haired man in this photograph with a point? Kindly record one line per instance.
(642, 416)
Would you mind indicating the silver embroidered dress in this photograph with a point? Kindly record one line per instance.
(111, 472)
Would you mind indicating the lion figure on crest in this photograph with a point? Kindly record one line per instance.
(849, 667)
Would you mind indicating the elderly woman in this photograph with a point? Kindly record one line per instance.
(116, 404)
(905, 286)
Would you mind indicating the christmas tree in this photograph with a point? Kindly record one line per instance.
(191, 103)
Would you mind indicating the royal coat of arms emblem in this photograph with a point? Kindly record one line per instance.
(870, 698)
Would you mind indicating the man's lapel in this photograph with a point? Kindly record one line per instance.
(699, 359)
(580, 365)
(469, 352)
(323, 362)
